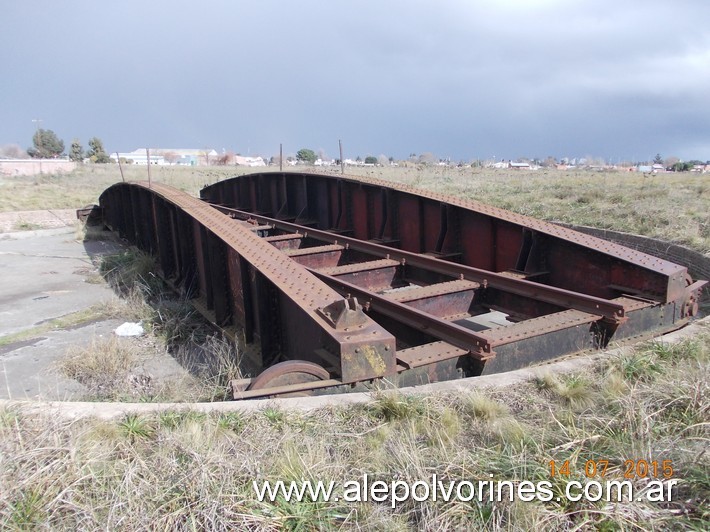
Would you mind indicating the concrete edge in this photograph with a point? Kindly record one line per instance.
(107, 411)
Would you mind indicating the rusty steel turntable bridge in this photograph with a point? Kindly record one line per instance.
(343, 281)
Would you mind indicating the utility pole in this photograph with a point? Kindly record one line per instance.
(120, 167)
(342, 163)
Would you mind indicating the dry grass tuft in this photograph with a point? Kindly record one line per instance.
(103, 367)
(482, 407)
(574, 390)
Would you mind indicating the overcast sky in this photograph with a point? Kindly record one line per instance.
(459, 78)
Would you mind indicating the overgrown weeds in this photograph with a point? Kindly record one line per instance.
(113, 369)
(182, 469)
(103, 366)
(130, 269)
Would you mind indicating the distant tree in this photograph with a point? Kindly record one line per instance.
(549, 162)
(171, 157)
(370, 159)
(96, 152)
(382, 160)
(670, 161)
(76, 152)
(427, 158)
(682, 167)
(46, 144)
(305, 155)
(13, 151)
(225, 159)
(658, 159)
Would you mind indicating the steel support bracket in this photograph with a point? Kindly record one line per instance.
(343, 314)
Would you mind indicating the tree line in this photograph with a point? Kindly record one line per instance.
(47, 145)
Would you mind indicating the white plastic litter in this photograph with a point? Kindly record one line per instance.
(129, 329)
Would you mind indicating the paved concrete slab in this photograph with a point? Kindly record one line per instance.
(30, 371)
(44, 277)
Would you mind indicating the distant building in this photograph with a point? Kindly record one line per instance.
(139, 157)
(519, 166)
(162, 156)
(249, 161)
(656, 168)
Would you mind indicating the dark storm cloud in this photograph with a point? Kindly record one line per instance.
(461, 79)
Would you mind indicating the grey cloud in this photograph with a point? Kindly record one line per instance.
(463, 79)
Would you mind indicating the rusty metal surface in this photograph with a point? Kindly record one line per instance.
(345, 280)
(610, 248)
(476, 344)
(538, 326)
(414, 357)
(556, 291)
(289, 372)
(464, 231)
(550, 294)
(299, 295)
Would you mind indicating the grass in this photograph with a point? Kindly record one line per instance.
(670, 206)
(183, 469)
(24, 225)
(102, 366)
(84, 186)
